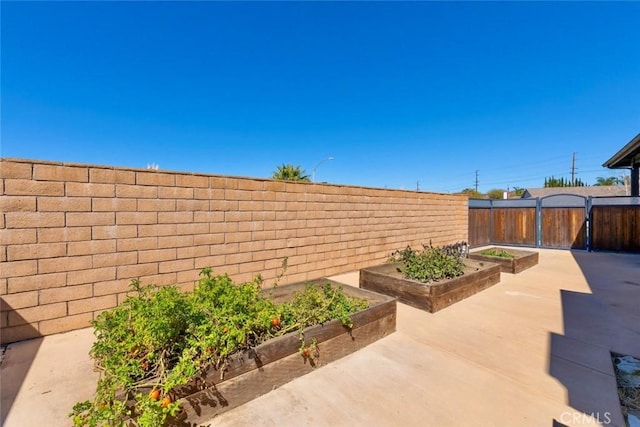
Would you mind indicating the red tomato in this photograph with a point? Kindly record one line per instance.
(165, 402)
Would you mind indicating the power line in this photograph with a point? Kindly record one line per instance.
(537, 170)
(535, 174)
(520, 178)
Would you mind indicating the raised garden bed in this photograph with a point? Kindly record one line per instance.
(173, 358)
(278, 361)
(520, 259)
(432, 297)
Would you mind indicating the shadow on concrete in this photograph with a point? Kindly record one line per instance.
(17, 357)
(596, 324)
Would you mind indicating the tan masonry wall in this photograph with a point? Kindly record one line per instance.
(73, 236)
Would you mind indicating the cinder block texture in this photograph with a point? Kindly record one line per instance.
(74, 236)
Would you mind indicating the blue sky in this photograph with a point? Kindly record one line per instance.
(401, 94)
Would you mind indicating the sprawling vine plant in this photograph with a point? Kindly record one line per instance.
(160, 338)
(431, 263)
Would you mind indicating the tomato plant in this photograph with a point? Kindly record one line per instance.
(160, 338)
(166, 401)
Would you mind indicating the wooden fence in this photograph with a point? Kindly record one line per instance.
(559, 221)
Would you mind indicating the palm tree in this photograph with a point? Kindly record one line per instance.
(518, 191)
(289, 172)
(610, 180)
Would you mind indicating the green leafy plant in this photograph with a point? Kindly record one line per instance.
(500, 253)
(431, 263)
(160, 339)
(289, 172)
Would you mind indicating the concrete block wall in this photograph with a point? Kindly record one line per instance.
(72, 236)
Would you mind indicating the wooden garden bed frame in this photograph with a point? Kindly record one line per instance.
(432, 297)
(523, 259)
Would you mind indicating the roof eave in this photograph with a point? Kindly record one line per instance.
(624, 157)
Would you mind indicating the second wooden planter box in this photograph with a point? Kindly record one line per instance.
(386, 279)
(521, 260)
(279, 361)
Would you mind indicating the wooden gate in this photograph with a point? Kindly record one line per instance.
(507, 222)
(563, 222)
(480, 223)
(515, 224)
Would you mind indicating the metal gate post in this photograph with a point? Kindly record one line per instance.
(538, 223)
(587, 218)
(491, 221)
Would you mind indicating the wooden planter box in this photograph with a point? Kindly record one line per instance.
(522, 260)
(386, 279)
(278, 361)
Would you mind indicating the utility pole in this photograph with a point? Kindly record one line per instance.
(573, 170)
(623, 178)
(476, 180)
(417, 185)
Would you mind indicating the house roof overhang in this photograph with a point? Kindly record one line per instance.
(627, 157)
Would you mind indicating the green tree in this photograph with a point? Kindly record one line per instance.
(496, 193)
(472, 193)
(290, 172)
(562, 182)
(610, 180)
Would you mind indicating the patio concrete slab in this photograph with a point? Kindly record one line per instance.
(43, 378)
(532, 350)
